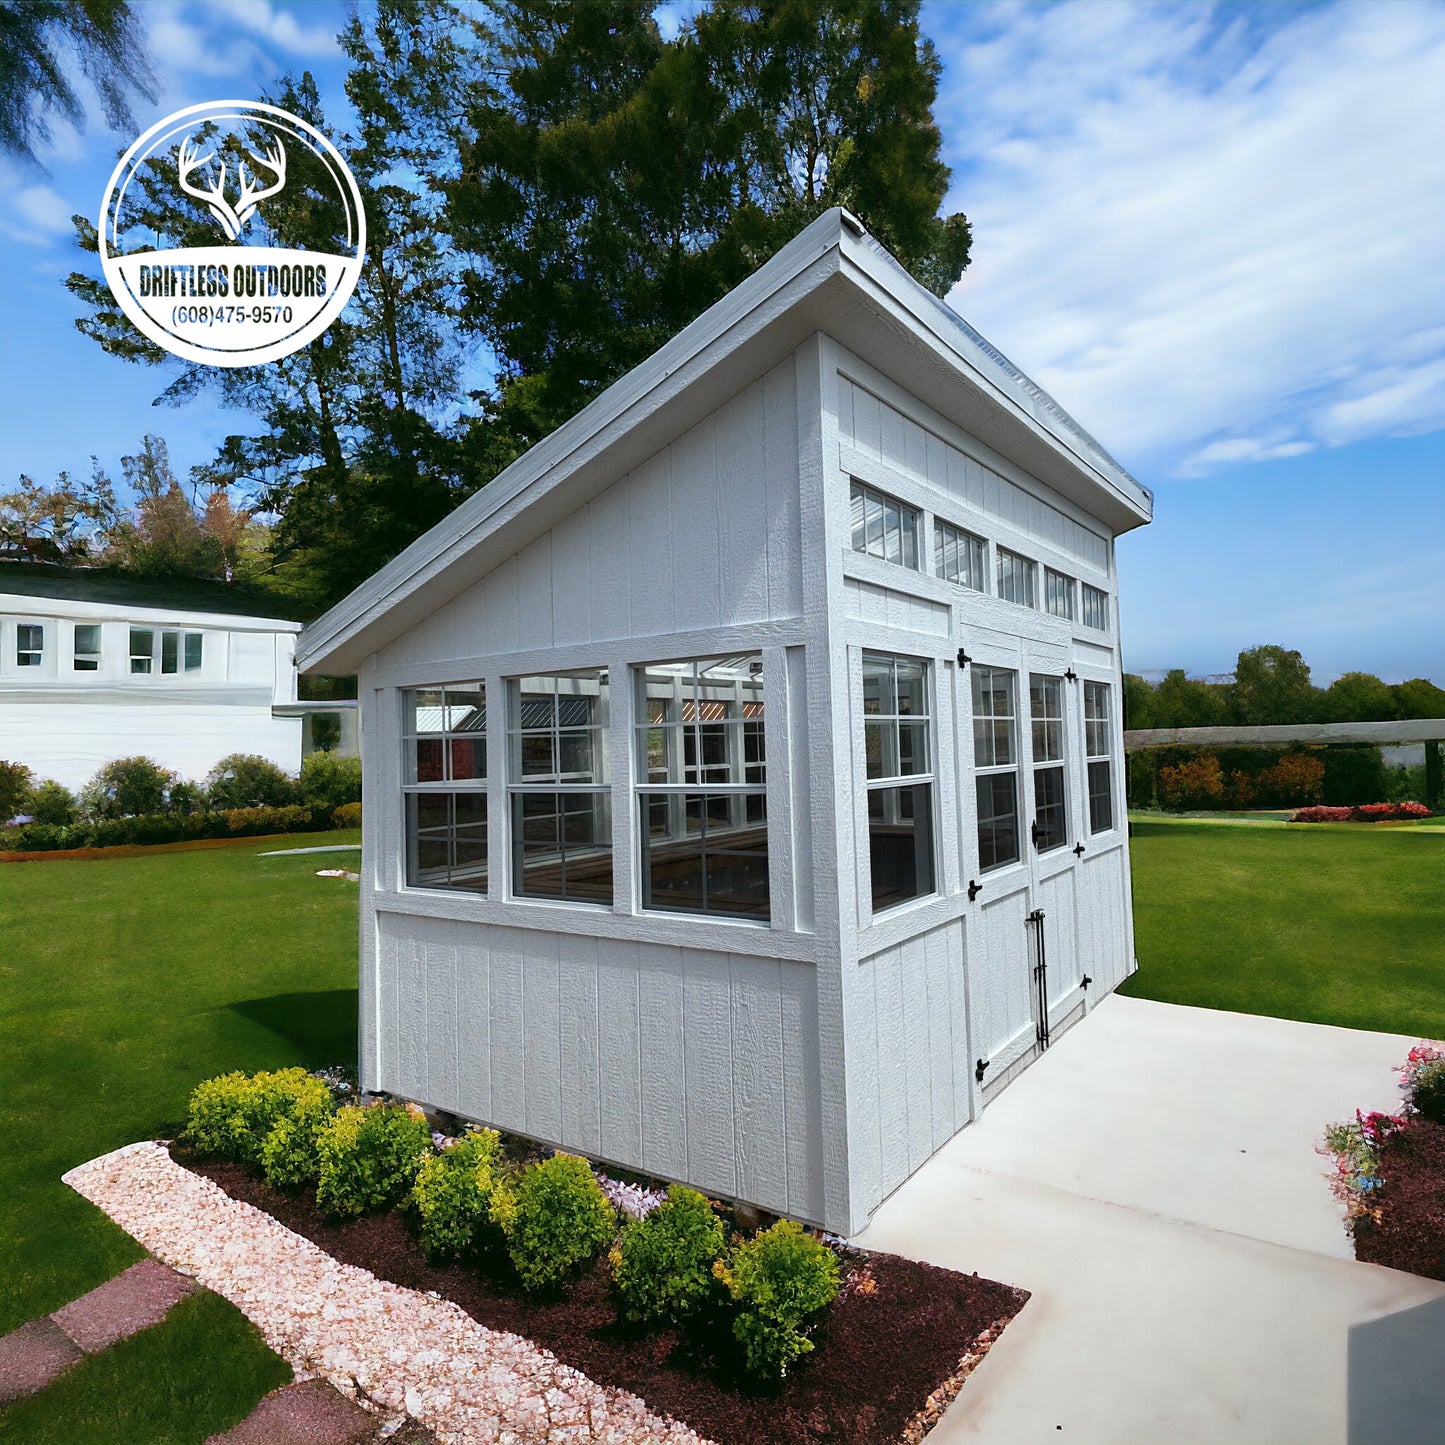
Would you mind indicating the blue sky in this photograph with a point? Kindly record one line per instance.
(1213, 232)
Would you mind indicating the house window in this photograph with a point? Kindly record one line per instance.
(1017, 579)
(884, 527)
(142, 649)
(1058, 594)
(170, 652)
(560, 799)
(195, 642)
(29, 644)
(899, 770)
(444, 782)
(1096, 608)
(959, 556)
(86, 653)
(702, 792)
(1098, 749)
(1046, 722)
(995, 761)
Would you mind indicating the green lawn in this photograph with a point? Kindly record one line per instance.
(1337, 924)
(122, 983)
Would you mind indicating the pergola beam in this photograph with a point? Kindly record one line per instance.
(1418, 730)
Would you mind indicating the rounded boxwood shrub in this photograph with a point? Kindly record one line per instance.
(452, 1192)
(368, 1158)
(662, 1266)
(235, 1115)
(555, 1217)
(329, 782)
(778, 1279)
(54, 804)
(247, 780)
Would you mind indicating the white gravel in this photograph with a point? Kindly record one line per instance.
(394, 1349)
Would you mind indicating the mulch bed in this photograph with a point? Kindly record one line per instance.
(1410, 1232)
(888, 1354)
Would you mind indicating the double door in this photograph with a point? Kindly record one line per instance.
(1019, 715)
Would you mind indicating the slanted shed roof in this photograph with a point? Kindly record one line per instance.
(833, 277)
(117, 589)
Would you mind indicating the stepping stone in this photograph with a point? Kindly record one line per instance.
(134, 1300)
(311, 1413)
(31, 1357)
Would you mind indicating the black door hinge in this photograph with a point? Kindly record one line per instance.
(974, 889)
(1072, 675)
(963, 658)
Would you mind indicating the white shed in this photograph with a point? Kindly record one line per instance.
(743, 764)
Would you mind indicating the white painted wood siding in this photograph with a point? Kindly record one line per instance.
(691, 1065)
(705, 534)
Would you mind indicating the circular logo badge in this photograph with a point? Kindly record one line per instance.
(232, 233)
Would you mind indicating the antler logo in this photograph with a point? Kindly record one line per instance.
(233, 219)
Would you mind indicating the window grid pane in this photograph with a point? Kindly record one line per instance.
(142, 649)
(29, 644)
(995, 722)
(1058, 594)
(1017, 578)
(1095, 608)
(87, 647)
(883, 527)
(444, 782)
(959, 556)
(1098, 748)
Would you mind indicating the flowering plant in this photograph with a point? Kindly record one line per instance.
(1364, 813)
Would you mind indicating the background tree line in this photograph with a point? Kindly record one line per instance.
(552, 191)
(1271, 686)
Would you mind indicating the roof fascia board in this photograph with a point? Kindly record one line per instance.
(38, 605)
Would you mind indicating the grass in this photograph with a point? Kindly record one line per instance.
(123, 982)
(196, 1373)
(1340, 924)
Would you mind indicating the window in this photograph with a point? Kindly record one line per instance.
(884, 527)
(170, 652)
(1098, 748)
(1096, 608)
(702, 792)
(444, 781)
(1046, 720)
(899, 779)
(995, 761)
(561, 801)
(959, 556)
(29, 644)
(86, 655)
(142, 649)
(1017, 579)
(1058, 594)
(194, 643)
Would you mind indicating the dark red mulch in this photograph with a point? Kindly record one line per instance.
(881, 1351)
(1410, 1234)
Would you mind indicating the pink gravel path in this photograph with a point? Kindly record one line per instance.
(396, 1350)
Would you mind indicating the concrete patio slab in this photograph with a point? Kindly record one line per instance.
(32, 1356)
(1183, 1291)
(134, 1300)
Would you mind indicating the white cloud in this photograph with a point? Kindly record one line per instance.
(34, 214)
(278, 26)
(1213, 234)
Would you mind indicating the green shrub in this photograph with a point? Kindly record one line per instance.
(662, 1267)
(15, 790)
(348, 815)
(452, 1192)
(127, 788)
(1428, 1095)
(246, 780)
(328, 782)
(555, 1216)
(369, 1158)
(53, 804)
(778, 1279)
(236, 1115)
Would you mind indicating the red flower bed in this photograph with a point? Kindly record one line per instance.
(1365, 813)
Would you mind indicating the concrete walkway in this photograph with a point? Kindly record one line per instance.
(1153, 1180)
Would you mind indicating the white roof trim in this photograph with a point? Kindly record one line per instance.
(836, 243)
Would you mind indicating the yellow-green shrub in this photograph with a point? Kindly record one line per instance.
(368, 1158)
(555, 1216)
(662, 1266)
(778, 1279)
(236, 1116)
(452, 1192)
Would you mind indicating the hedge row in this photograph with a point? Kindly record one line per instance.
(1186, 778)
(177, 828)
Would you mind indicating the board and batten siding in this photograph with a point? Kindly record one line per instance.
(691, 1065)
(705, 534)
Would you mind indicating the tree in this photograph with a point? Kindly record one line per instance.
(65, 522)
(1186, 702)
(1419, 698)
(39, 39)
(1138, 702)
(1272, 687)
(1358, 697)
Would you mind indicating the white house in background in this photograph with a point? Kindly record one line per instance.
(94, 667)
(745, 760)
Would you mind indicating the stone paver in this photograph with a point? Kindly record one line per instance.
(31, 1357)
(309, 1413)
(134, 1300)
